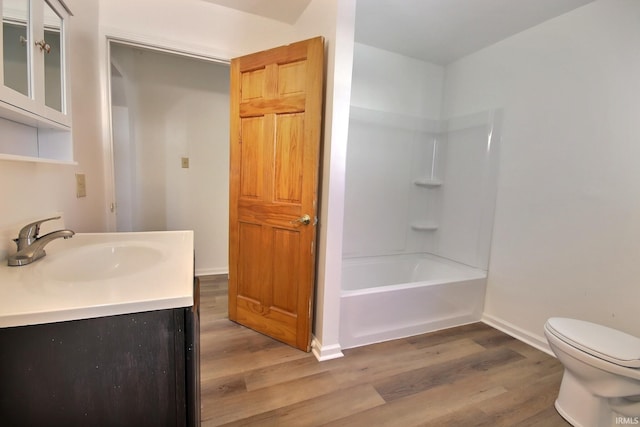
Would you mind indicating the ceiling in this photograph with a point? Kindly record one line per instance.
(441, 31)
(438, 31)
(287, 11)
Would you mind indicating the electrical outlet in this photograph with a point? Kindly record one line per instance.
(81, 186)
(185, 162)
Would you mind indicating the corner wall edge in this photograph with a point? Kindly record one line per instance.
(324, 353)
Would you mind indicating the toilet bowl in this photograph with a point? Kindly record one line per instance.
(601, 381)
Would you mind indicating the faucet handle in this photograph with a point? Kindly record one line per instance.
(29, 232)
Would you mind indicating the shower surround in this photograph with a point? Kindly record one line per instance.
(419, 205)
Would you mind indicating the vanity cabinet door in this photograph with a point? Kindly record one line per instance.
(34, 73)
(127, 370)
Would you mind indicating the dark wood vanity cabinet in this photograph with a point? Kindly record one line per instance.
(138, 369)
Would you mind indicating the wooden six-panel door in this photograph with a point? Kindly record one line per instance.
(276, 114)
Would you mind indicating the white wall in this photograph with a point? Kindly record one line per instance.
(177, 107)
(567, 224)
(387, 81)
(35, 190)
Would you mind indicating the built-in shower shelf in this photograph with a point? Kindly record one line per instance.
(427, 182)
(424, 226)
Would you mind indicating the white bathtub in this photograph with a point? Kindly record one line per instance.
(391, 297)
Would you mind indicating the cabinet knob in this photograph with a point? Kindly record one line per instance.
(44, 46)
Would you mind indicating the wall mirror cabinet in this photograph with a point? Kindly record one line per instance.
(35, 111)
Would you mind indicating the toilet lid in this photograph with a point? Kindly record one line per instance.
(597, 340)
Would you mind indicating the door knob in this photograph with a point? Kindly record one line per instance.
(304, 219)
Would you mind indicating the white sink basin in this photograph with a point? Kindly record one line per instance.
(99, 274)
(102, 261)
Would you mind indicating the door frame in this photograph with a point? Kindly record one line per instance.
(106, 41)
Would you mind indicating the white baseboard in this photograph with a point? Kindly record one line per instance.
(210, 271)
(327, 352)
(533, 340)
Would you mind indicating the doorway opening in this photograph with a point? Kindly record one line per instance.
(170, 145)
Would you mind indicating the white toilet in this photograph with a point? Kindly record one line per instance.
(601, 382)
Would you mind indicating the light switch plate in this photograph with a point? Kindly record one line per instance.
(185, 162)
(81, 186)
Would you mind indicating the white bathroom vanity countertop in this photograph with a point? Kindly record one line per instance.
(99, 274)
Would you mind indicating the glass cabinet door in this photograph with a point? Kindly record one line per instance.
(15, 30)
(51, 47)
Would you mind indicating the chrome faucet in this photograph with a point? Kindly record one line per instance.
(31, 245)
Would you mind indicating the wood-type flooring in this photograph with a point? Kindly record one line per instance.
(472, 375)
